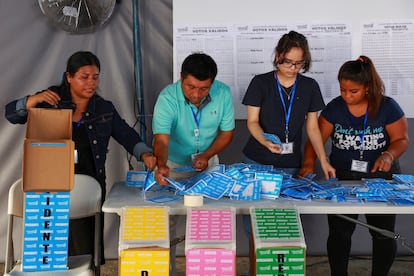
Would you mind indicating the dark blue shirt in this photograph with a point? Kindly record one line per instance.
(263, 92)
(348, 130)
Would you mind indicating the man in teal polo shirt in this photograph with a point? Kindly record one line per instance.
(193, 119)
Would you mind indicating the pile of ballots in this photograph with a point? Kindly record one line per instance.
(254, 182)
(238, 181)
(399, 191)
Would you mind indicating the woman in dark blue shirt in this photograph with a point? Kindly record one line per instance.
(368, 132)
(95, 121)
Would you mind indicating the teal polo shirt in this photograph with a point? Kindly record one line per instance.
(173, 116)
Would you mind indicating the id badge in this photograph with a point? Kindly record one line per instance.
(359, 166)
(196, 132)
(287, 148)
(75, 156)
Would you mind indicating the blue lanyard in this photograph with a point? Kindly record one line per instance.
(289, 110)
(197, 129)
(196, 120)
(79, 123)
(361, 135)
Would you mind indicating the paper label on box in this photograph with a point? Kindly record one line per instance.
(45, 231)
(214, 225)
(144, 224)
(276, 223)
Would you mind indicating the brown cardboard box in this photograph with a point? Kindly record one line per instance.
(48, 152)
(48, 165)
(48, 123)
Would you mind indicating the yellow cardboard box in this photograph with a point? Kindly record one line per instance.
(148, 261)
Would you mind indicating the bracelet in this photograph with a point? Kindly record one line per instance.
(390, 154)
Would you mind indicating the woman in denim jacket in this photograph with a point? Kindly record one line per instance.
(95, 121)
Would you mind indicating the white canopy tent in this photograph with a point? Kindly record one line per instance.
(33, 55)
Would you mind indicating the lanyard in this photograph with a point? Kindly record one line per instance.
(361, 135)
(79, 123)
(289, 110)
(197, 129)
(196, 120)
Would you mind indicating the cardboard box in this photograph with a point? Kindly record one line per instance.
(277, 242)
(48, 165)
(47, 123)
(46, 231)
(48, 152)
(210, 261)
(279, 261)
(144, 261)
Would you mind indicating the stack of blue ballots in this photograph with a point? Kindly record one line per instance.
(238, 181)
(403, 178)
(254, 182)
(399, 192)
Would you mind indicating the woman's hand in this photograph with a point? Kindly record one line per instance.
(47, 96)
(273, 148)
(327, 169)
(383, 162)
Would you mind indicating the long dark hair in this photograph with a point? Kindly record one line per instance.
(76, 61)
(362, 71)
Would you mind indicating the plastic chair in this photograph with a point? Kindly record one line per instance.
(85, 201)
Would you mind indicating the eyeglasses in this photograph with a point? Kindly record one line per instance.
(287, 63)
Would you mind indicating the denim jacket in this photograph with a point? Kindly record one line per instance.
(102, 122)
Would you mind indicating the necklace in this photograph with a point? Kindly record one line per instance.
(287, 91)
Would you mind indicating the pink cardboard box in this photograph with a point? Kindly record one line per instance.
(209, 262)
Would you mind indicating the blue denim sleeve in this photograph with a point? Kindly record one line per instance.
(16, 112)
(140, 148)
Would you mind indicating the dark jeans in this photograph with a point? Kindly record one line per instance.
(339, 243)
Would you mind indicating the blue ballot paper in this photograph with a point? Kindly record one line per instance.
(149, 181)
(254, 181)
(214, 188)
(220, 168)
(136, 178)
(246, 190)
(235, 173)
(272, 138)
(271, 184)
(403, 178)
(179, 186)
(186, 169)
